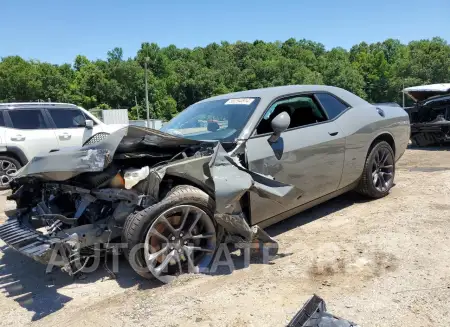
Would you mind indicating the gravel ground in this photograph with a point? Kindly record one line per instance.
(378, 263)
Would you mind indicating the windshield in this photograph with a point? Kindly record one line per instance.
(220, 120)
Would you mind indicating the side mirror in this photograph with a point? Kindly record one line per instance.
(89, 124)
(279, 124)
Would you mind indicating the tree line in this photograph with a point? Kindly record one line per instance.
(178, 77)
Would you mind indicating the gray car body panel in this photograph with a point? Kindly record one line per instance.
(368, 127)
(308, 157)
(306, 162)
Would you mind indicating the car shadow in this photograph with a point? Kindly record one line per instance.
(239, 259)
(317, 212)
(26, 282)
(429, 148)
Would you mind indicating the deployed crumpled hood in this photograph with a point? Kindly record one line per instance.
(423, 92)
(146, 137)
(67, 163)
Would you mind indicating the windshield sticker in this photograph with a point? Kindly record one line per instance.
(244, 101)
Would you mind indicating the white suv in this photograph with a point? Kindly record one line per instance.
(28, 129)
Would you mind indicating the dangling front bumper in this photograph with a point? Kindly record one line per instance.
(27, 240)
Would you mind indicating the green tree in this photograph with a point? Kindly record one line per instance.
(178, 77)
(337, 70)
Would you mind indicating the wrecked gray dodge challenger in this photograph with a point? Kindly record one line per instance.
(218, 173)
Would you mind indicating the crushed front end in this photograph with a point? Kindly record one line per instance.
(74, 206)
(61, 224)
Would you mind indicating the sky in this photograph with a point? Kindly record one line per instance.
(57, 30)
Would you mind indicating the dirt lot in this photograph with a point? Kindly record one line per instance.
(378, 263)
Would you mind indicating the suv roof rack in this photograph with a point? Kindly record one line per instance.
(12, 105)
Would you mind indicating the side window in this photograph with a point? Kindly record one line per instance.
(27, 119)
(2, 119)
(67, 118)
(332, 105)
(303, 111)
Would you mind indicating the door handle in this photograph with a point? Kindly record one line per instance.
(333, 133)
(65, 136)
(18, 137)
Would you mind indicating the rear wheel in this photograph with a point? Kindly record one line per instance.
(172, 237)
(8, 167)
(379, 171)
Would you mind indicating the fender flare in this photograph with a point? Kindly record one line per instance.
(384, 135)
(17, 152)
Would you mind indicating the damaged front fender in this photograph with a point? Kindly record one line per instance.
(232, 180)
(229, 180)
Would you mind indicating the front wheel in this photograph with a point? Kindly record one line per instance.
(379, 171)
(176, 235)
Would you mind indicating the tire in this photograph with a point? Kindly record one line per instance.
(175, 189)
(4, 175)
(368, 183)
(137, 225)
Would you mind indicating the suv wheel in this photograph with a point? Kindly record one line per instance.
(8, 167)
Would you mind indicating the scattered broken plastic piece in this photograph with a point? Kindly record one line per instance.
(313, 314)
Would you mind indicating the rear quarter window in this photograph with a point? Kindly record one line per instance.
(27, 119)
(332, 105)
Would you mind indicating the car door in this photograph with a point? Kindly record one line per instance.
(355, 151)
(29, 131)
(309, 154)
(69, 126)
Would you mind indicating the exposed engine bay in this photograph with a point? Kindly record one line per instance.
(75, 204)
